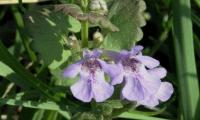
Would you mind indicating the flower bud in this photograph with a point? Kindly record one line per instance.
(73, 42)
(98, 37)
(98, 6)
(147, 16)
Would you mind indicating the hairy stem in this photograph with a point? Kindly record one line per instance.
(84, 25)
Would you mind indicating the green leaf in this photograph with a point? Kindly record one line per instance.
(60, 80)
(127, 115)
(37, 105)
(101, 21)
(84, 116)
(94, 18)
(55, 64)
(68, 9)
(115, 103)
(104, 109)
(128, 17)
(49, 31)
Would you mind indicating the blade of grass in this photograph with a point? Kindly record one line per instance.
(197, 2)
(197, 116)
(149, 113)
(10, 75)
(25, 39)
(8, 89)
(10, 60)
(196, 19)
(3, 12)
(37, 105)
(38, 115)
(197, 45)
(185, 59)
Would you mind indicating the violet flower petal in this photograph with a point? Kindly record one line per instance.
(136, 49)
(115, 71)
(111, 69)
(124, 53)
(165, 91)
(159, 72)
(149, 101)
(117, 79)
(72, 70)
(150, 82)
(163, 94)
(133, 89)
(82, 89)
(149, 62)
(89, 54)
(100, 88)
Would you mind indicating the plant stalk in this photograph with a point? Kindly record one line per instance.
(84, 26)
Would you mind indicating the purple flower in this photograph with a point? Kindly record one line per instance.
(142, 76)
(92, 84)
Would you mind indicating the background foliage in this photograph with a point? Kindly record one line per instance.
(35, 48)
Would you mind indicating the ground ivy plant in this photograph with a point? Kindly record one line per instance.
(90, 48)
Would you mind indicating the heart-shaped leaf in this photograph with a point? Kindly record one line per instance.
(127, 15)
(49, 30)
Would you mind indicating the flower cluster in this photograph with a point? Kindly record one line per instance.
(140, 74)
